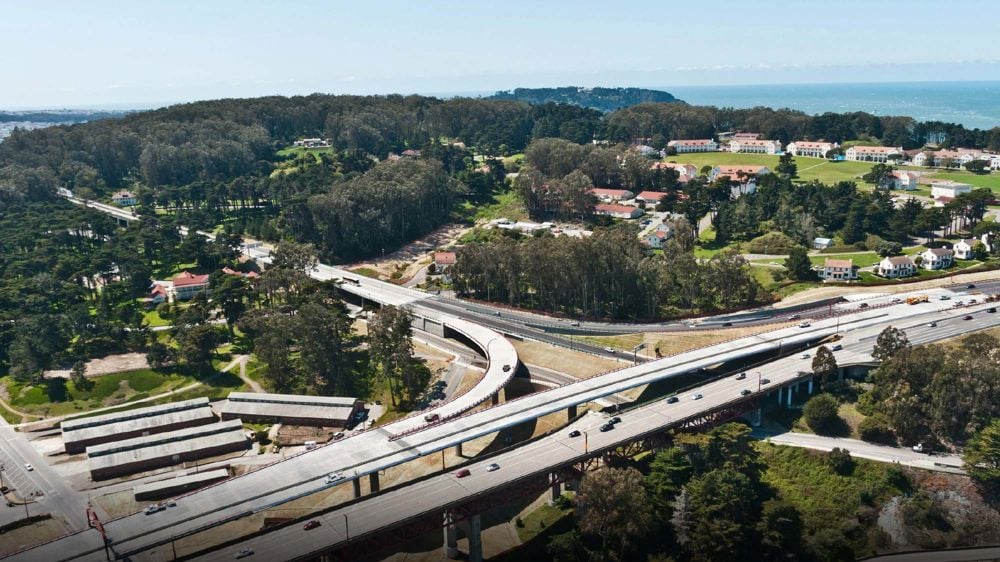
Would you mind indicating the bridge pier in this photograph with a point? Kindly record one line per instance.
(788, 391)
(810, 387)
(756, 417)
(556, 488)
(373, 483)
(572, 412)
(495, 398)
(458, 450)
(357, 487)
(475, 538)
(450, 537)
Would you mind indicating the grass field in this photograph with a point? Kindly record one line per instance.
(503, 205)
(296, 151)
(990, 181)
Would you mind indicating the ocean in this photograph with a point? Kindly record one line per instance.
(972, 104)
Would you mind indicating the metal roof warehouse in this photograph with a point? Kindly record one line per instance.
(290, 408)
(81, 433)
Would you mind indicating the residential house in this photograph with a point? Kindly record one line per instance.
(444, 260)
(617, 211)
(694, 145)
(650, 197)
(937, 258)
(897, 267)
(124, 198)
(657, 239)
(186, 285)
(607, 195)
(311, 143)
(743, 178)
(822, 243)
(755, 146)
(963, 248)
(871, 153)
(159, 293)
(810, 148)
(902, 179)
(411, 153)
(685, 172)
(248, 275)
(838, 270)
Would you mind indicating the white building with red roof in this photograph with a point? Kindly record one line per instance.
(755, 146)
(444, 260)
(685, 172)
(811, 149)
(871, 153)
(650, 197)
(953, 158)
(903, 179)
(617, 211)
(186, 285)
(838, 270)
(743, 178)
(693, 145)
(608, 195)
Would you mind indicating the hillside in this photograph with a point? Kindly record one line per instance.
(603, 99)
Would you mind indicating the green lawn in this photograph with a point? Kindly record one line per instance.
(296, 151)
(504, 205)
(991, 181)
(153, 319)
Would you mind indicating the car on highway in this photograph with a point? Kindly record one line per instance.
(506, 368)
(493, 467)
(991, 309)
(741, 376)
(804, 356)
(726, 324)
(616, 419)
(921, 448)
(973, 301)
(932, 324)
(154, 508)
(794, 317)
(311, 525)
(746, 392)
(697, 396)
(607, 427)
(804, 325)
(896, 300)
(765, 381)
(970, 286)
(431, 417)
(28, 467)
(463, 473)
(865, 305)
(243, 553)
(672, 400)
(836, 347)
(574, 433)
(609, 349)
(967, 317)
(333, 478)
(944, 298)
(338, 435)
(574, 323)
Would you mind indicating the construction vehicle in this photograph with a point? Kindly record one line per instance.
(917, 299)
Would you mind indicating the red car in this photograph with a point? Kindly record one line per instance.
(311, 525)
(462, 473)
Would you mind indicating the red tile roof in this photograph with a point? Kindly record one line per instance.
(608, 208)
(445, 258)
(608, 192)
(185, 279)
(651, 195)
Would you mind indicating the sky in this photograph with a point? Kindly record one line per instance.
(102, 53)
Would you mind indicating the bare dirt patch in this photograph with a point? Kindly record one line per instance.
(671, 343)
(829, 292)
(30, 535)
(107, 365)
(578, 364)
(289, 435)
(401, 265)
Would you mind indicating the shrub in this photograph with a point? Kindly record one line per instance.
(840, 461)
(820, 412)
(875, 429)
(771, 243)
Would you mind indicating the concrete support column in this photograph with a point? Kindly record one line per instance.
(788, 392)
(556, 488)
(495, 398)
(756, 417)
(810, 387)
(475, 539)
(373, 482)
(450, 537)
(572, 412)
(779, 396)
(458, 449)
(357, 487)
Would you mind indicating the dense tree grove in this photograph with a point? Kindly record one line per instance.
(605, 275)
(929, 393)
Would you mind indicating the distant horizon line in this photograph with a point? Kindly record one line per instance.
(148, 106)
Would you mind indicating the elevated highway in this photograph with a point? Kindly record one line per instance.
(375, 450)
(541, 460)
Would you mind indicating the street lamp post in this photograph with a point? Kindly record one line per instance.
(586, 447)
(347, 529)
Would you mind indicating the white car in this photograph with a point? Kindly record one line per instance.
(493, 467)
(28, 467)
(804, 356)
(333, 478)
(944, 298)
(244, 553)
(804, 325)
(697, 396)
(609, 349)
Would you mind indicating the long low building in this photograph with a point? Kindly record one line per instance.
(138, 454)
(292, 409)
(178, 485)
(81, 433)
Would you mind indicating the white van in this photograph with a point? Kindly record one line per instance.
(310, 445)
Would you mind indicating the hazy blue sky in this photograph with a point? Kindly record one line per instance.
(142, 52)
